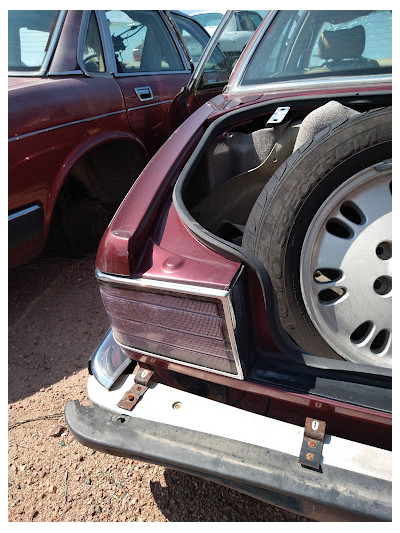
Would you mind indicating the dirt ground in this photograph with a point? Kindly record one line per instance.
(56, 320)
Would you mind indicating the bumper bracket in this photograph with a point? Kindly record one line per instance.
(133, 395)
(313, 441)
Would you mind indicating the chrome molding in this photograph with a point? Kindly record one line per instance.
(315, 83)
(50, 51)
(37, 132)
(66, 73)
(23, 212)
(141, 73)
(130, 109)
(224, 296)
(147, 283)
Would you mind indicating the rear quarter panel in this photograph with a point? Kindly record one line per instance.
(52, 122)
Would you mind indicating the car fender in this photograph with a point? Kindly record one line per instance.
(80, 151)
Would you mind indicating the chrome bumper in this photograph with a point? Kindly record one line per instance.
(251, 453)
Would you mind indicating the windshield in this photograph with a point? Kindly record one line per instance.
(29, 34)
(304, 44)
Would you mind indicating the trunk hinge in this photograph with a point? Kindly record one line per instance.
(313, 441)
(133, 395)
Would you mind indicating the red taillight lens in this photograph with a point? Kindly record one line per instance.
(189, 328)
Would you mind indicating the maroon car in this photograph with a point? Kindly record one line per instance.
(247, 278)
(89, 100)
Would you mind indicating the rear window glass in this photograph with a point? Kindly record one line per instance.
(29, 34)
(303, 44)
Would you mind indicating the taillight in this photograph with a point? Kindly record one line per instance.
(191, 325)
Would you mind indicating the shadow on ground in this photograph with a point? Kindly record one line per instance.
(56, 320)
(189, 499)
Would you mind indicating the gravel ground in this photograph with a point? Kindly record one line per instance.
(56, 320)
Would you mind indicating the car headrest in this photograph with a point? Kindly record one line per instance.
(342, 44)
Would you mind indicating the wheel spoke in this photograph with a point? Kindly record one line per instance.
(331, 251)
(374, 205)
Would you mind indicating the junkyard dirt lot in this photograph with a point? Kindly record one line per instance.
(56, 320)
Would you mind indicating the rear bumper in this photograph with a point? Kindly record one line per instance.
(247, 452)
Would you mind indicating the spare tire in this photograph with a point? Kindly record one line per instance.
(322, 229)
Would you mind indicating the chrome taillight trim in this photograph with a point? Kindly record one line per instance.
(223, 295)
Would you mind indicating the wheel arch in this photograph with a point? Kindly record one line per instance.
(108, 143)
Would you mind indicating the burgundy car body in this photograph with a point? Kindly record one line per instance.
(155, 244)
(62, 112)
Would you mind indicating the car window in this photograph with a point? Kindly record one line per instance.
(29, 34)
(93, 57)
(194, 37)
(208, 19)
(300, 44)
(142, 42)
(231, 43)
(256, 18)
(247, 23)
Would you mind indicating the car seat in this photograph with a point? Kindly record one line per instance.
(342, 49)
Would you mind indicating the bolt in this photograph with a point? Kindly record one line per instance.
(310, 456)
(312, 443)
(177, 405)
(130, 397)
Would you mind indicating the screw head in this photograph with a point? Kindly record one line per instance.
(310, 456)
(312, 443)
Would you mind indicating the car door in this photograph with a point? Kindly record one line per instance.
(149, 67)
(213, 69)
(193, 35)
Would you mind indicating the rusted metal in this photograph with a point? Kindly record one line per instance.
(133, 395)
(314, 433)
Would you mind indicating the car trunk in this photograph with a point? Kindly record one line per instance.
(238, 159)
(214, 196)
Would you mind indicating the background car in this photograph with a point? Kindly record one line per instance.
(242, 21)
(89, 101)
(248, 274)
(238, 32)
(208, 19)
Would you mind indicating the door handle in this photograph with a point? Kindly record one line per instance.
(144, 93)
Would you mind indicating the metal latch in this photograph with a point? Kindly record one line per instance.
(313, 441)
(278, 116)
(133, 395)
